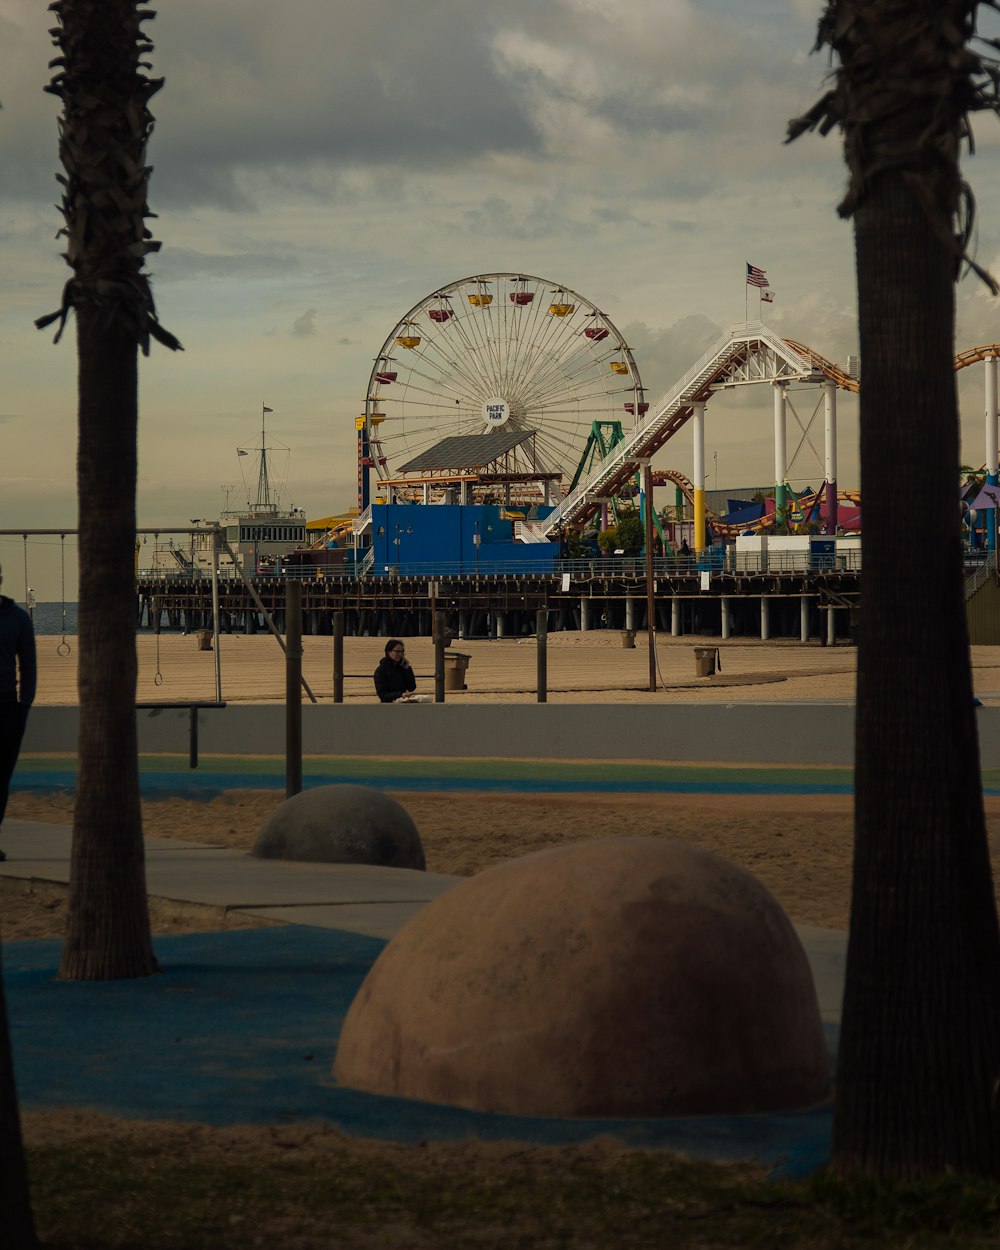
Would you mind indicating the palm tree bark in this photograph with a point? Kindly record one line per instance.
(107, 932)
(104, 128)
(920, 1040)
(15, 1199)
(919, 1061)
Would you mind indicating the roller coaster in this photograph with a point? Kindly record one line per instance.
(746, 354)
(807, 504)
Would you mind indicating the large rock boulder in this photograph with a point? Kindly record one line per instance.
(627, 977)
(342, 825)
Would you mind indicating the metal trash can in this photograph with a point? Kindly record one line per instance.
(455, 664)
(628, 639)
(204, 637)
(705, 660)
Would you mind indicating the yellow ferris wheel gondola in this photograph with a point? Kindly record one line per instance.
(619, 366)
(408, 338)
(560, 306)
(482, 297)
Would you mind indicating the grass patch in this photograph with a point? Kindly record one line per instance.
(189, 1188)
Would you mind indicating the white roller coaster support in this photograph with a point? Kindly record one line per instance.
(780, 447)
(992, 441)
(698, 473)
(830, 430)
(747, 353)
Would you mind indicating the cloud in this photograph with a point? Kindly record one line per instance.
(177, 264)
(304, 327)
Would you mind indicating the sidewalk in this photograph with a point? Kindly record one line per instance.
(242, 1026)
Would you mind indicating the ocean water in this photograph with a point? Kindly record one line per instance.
(48, 618)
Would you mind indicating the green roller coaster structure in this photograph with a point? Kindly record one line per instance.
(603, 438)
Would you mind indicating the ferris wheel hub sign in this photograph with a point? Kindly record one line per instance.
(496, 412)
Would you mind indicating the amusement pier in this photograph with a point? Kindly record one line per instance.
(505, 479)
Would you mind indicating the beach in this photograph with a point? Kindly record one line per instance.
(799, 846)
(590, 667)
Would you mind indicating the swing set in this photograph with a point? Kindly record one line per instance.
(64, 649)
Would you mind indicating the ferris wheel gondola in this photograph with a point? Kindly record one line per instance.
(499, 350)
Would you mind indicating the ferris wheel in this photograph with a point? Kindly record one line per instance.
(499, 351)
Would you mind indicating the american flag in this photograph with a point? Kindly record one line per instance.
(755, 276)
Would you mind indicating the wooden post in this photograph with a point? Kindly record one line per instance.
(293, 688)
(438, 657)
(650, 593)
(542, 644)
(338, 657)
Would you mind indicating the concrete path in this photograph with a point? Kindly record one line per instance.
(241, 1025)
(354, 898)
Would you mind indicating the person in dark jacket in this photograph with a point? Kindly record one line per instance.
(17, 687)
(394, 677)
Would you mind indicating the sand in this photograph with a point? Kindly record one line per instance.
(799, 847)
(592, 667)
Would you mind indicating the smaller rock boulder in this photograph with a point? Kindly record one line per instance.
(342, 825)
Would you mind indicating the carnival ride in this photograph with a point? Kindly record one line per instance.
(515, 352)
(494, 352)
(805, 507)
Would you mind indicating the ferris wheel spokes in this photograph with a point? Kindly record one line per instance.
(499, 350)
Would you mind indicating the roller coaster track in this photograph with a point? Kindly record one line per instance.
(826, 367)
(745, 354)
(974, 355)
(805, 503)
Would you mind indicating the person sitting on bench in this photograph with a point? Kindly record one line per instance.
(395, 681)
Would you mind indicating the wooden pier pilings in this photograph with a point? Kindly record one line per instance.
(803, 604)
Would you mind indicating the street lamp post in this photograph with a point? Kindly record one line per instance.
(400, 530)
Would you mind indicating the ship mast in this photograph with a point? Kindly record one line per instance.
(263, 482)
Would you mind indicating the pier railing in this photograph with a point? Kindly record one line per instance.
(980, 566)
(714, 562)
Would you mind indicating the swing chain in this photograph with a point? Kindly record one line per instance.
(157, 676)
(63, 648)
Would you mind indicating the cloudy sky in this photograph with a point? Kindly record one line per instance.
(320, 167)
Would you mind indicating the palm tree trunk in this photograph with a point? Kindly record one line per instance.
(104, 128)
(920, 1042)
(108, 933)
(15, 1199)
